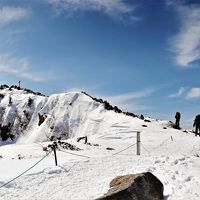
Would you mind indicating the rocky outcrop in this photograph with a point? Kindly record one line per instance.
(5, 132)
(41, 119)
(143, 186)
(108, 106)
(2, 87)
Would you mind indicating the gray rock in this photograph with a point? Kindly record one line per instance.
(143, 186)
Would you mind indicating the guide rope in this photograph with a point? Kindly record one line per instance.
(25, 170)
(124, 149)
(73, 154)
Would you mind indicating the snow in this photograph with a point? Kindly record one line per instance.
(171, 155)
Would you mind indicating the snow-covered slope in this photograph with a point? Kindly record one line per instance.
(171, 155)
(65, 115)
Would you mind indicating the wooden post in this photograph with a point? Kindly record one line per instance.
(138, 143)
(54, 150)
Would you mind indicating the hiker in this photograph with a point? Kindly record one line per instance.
(197, 125)
(177, 117)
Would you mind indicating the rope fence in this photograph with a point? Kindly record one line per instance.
(124, 149)
(25, 171)
(73, 153)
(55, 147)
(145, 149)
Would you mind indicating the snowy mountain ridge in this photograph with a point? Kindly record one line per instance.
(33, 117)
(64, 115)
(171, 155)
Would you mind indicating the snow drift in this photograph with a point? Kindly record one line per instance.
(171, 155)
(33, 117)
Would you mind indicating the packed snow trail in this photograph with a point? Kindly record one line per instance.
(80, 178)
(86, 179)
(171, 155)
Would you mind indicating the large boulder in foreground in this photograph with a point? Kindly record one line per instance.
(143, 186)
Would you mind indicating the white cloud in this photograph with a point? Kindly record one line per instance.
(125, 101)
(186, 44)
(11, 14)
(113, 8)
(177, 94)
(18, 68)
(194, 93)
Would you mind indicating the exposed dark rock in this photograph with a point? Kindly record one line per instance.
(146, 120)
(68, 146)
(5, 132)
(2, 96)
(91, 144)
(143, 186)
(10, 101)
(117, 110)
(2, 87)
(52, 138)
(19, 156)
(109, 148)
(110, 107)
(64, 145)
(30, 101)
(15, 87)
(141, 117)
(130, 114)
(144, 125)
(41, 119)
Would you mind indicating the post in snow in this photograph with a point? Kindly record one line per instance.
(54, 150)
(19, 84)
(138, 143)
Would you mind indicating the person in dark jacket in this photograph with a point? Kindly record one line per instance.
(177, 117)
(197, 125)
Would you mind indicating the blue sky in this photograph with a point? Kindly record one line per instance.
(143, 56)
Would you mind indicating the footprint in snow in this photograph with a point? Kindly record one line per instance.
(189, 178)
(173, 177)
(157, 161)
(175, 162)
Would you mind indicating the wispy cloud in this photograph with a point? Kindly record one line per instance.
(126, 101)
(11, 14)
(186, 44)
(19, 68)
(194, 93)
(113, 8)
(178, 94)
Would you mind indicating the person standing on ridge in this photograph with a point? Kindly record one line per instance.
(177, 122)
(197, 125)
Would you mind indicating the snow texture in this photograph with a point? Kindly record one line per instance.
(171, 155)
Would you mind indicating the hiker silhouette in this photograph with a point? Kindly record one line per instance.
(177, 117)
(197, 125)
